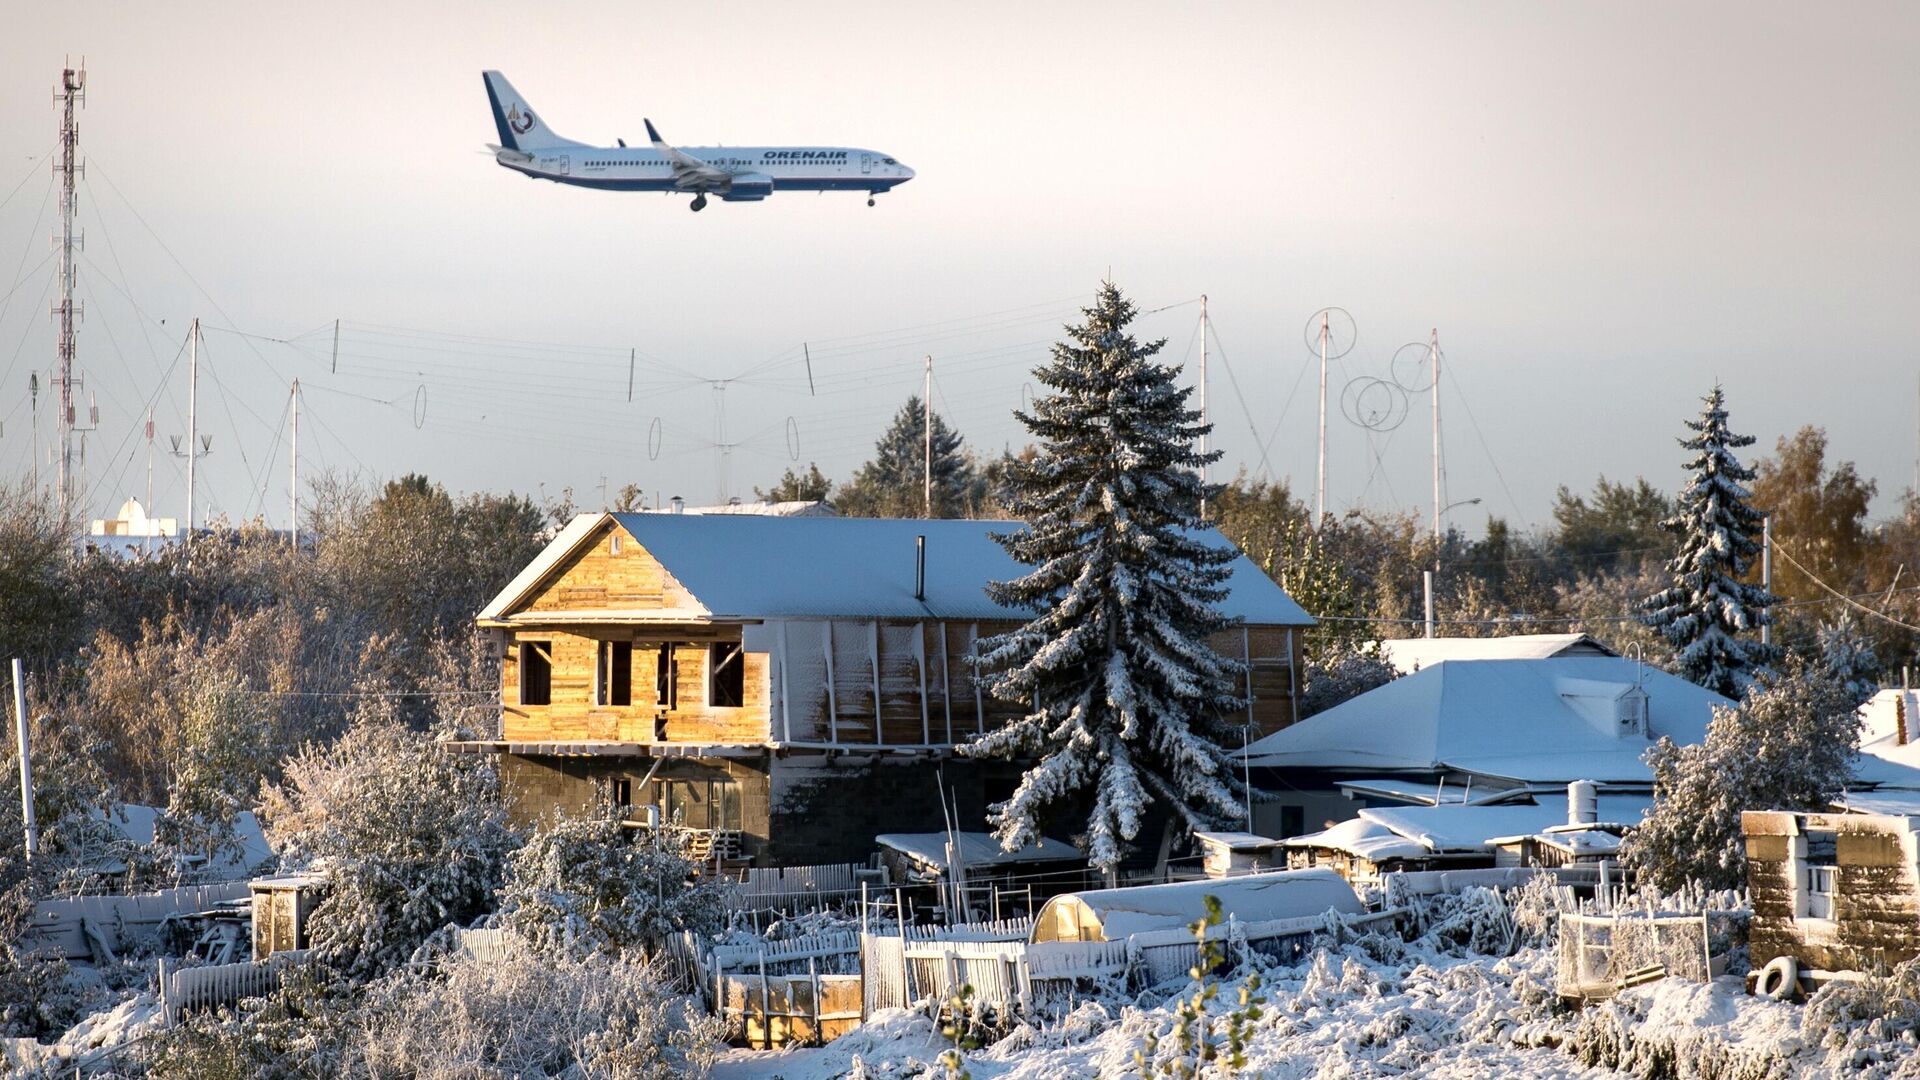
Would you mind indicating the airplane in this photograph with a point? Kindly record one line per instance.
(732, 173)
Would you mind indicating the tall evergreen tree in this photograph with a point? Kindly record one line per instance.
(892, 484)
(1125, 695)
(1707, 608)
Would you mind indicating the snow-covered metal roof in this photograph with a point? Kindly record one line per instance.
(976, 849)
(1115, 914)
(760, 567)
(1408, 655)
(1474, 828)
(1531, 721)
(1365, 838)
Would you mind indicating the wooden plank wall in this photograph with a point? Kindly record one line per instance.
(595, 579)
(572, 715)
(891, 682)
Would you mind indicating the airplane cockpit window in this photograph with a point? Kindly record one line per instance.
(890, 161)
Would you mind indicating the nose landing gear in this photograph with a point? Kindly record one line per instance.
(699, 203)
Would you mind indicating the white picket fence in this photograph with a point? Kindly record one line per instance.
(793, 888)
(220, 984)
(61, 926)
(927, 966)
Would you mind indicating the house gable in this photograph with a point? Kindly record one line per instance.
(604, 571)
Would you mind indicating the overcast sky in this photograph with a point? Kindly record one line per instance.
(1602, 210)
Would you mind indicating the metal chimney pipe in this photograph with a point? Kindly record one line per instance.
(920, 567)
(679, 504)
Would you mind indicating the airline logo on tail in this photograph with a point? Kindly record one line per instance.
(521, 123)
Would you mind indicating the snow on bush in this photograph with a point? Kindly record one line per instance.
(411, 837)
(1867, 1023)
(532, 1013)
(1790, 745)
(590, 885)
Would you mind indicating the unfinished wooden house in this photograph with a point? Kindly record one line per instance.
(1835, 892)
(788, 687)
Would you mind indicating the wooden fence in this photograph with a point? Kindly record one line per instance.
(794, 888)
(926, 966)
(78, 927)
(220, 984)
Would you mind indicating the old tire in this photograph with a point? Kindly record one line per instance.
(1779, 980)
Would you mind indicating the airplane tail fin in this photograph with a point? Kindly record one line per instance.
(519, 126)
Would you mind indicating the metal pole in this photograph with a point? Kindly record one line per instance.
(1433, 353)
(293, 472)
(193, 418)
(147, 544)
(26, 760)
(1428, 575)
(1320, 487)
(72, 83)
(1206, 430)
(1766, 575)
(926, 421)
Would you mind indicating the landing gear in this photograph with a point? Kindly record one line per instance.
(699, 203)
(869, 200)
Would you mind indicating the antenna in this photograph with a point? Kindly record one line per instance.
(293, 470)
(197, 447)
(1331, 334)
(70, 95)
(926, 421)
(1206, 430)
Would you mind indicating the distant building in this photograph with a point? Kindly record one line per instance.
(788, 687)
(133, 521)
(1477, 731)
(1408, 655)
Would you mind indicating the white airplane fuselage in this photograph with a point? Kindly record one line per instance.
(786, 168)
(732, 174)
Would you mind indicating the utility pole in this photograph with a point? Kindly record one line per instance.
(196, 449)
(72, 94)
(148, 543)
(1320, 486)
(293, 471)
(1766, 574)
(26, 760)
(1206, 431)
(1433, 355)
(926, 421)
(33, 392)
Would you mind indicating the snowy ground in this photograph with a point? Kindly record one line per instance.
(1346, 1015)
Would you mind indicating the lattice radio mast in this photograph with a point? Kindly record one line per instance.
(66, 167)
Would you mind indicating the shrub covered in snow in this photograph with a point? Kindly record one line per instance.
(412, 838)
(588, 884)
(1342, 671)
(1789, 745)
(532, 1013)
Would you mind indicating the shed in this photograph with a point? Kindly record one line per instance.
(1834, 892)
(1231, 854)
(922, 857)
(1116, 914)
(281, 907)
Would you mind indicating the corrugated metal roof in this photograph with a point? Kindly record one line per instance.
(1514, 719)
(1408, 655)
(753, 567)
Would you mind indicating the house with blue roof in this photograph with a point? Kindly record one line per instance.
(786, 687)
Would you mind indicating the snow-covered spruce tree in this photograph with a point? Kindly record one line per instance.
(410, 838)
(586, 885)
(893, 483)
(1706, 609)
(1789, 745)
(1847, 655)
(1125, 695)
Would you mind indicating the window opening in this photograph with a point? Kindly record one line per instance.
(666, 678)
(1819, 874)
(536, 673)
(613, 675)
(726, 676)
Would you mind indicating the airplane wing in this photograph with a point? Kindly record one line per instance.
(689, 172)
